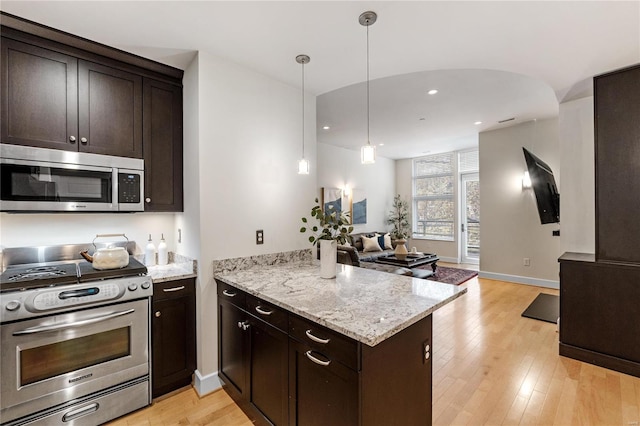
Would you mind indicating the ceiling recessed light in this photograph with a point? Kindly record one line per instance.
(432, 91)
(477, 123)
(380, 144)
(326, 128)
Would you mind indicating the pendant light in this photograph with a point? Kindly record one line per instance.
(368, 151)
(303, 164)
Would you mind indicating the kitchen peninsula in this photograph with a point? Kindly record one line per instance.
(355, 350)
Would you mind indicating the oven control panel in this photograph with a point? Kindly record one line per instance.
(78, 295)
(29, 303)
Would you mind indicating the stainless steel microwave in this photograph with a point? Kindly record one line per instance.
(48, 180)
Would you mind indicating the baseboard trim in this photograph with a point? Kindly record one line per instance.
(449, 259)
(206, 384)
(602, 360)
(520, 280)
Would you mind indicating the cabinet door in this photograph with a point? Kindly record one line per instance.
(617, 133)
(268, 360)
(233, 341)
(110, 110)
(173, 329)
(162, 146)
(39, 97)
(321, 390)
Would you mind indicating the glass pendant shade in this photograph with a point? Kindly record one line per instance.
(368, 154)
(303, 167)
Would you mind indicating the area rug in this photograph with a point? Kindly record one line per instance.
(545, 307)
(454, 276)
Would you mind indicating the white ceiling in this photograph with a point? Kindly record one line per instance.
(490, 60)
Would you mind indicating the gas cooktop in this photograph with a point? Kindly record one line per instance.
(49, 274)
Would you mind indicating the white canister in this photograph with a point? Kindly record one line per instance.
(163, 255)
(150, 253)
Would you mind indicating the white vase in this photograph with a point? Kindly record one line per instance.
(401, 250)
(328, 258)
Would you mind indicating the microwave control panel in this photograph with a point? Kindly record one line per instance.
(129, 188)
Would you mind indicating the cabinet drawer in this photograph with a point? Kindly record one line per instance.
(171, 289)
(267, 312)
(231, 294)
(328, 342)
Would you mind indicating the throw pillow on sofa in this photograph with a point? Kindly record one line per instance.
(370, 244)
(384, 241)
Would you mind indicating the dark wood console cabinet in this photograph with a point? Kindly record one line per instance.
(63, 92)
(280, 375)
(599, 292)
(173, 334)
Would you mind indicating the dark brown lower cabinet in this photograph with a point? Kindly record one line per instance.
(286, 370)
(323, 392)
(598, 312)
(173, 328)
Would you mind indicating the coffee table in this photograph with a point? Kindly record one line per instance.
(411, 261)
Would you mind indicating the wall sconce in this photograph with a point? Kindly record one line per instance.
(346, 191)
(526, 181)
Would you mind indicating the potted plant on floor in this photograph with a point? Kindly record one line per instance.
(399, 218)
(332, 228)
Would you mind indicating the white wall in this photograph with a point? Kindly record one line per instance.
(447, 251)
(577, 188)
(511, 229)
(34, 229)
(338, 167)
(248, 134)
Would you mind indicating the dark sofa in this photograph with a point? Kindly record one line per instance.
(370, 256)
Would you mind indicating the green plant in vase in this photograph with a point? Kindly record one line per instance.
(399, 218)
(332, 225)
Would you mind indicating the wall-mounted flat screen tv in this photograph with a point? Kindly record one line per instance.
(544, 187)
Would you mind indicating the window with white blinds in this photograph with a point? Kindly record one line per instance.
(469, 162)
(433, 196)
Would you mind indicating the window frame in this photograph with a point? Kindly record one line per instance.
(447, 197)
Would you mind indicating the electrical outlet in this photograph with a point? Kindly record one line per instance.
(259, 236)
(179, 235)
(526, 261)
(426, 352)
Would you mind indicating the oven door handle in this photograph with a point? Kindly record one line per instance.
(45, 328)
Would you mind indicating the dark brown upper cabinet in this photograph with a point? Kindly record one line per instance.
(162, 136)
(52, 100)
(617, 155)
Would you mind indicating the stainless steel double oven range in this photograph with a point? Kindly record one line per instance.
(75, 340)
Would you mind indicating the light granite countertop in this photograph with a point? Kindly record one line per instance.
(179, 267)
(366, 305)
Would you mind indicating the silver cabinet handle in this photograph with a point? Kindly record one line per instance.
(262, 311)
(228, 293)
(43, 328)
(83, 140)
(158, 314)
(148, 200)
(169, 290)
(316, 339)
(316, 360)
(72, 139)
(244, 325)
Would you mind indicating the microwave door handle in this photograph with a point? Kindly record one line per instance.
(114, 194)
(45, 328)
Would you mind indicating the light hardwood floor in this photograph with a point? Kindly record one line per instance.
(490, 366)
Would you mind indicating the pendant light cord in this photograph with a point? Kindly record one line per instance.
(368, 140)
(303, 110)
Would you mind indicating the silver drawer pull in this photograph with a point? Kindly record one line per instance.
(228, 293)
(316, 360)
(316, 339)
(169, 290)
(83, 411)
(262, 311)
